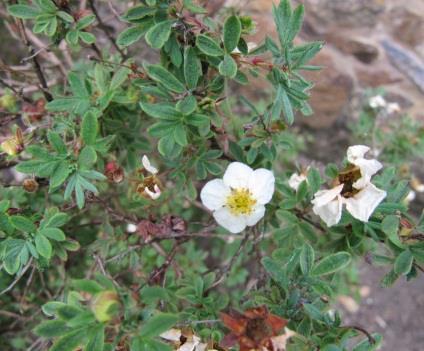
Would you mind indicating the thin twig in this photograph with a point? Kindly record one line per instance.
(105, 29)
(10, 287)
(35, 62)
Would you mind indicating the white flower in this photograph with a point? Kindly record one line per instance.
(377, 102)
(296, 179)
(361, 198)
(131, 228)
(148, 166)
(238, 199)
(154, 195)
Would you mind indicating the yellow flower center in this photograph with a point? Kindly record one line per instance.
(240, 202)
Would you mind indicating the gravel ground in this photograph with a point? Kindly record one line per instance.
(397, 312)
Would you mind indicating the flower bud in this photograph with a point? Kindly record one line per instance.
(105, 305)
(14, 145)
(114, 172)
(30, 185)
(8, 102)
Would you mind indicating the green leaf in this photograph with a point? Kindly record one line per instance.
(65, 16)
(43, 246)
(57, 220)
(403, 263)
(188, 4)
(187, 105)
(87, 38)
(89, 128)
(52, 328)
(60, 174)
(307, 258)
(139, 12)
(23, 224)
(70, 341)
(295, 24)
(130, 35)
(23, 11)
(228, 67)
(87, 157)
(53, 233)
(158, 324)
(282, 15)
(208, 46)
(85, 21)
(331, 263)
(232, 32)
(287, 108)
(96, 338)
(275, 270)
(366, 345)
(313, 311)
(166, 78)
(158, 35)
(162, 111)
(192, 67)
(87, 285)
(180, 135)
(119, 78)
(57, 142)
(79, 194)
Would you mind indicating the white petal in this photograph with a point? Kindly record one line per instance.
(234, 224)
(214, 194)
(256, 215)
(261, 185)
(368, 169)
(171, 335)
(323, 197)
(330, 212)
(237, 175)
(148, 166)
(154, 195)
(363, 204)
(295, 180)
(356, 152)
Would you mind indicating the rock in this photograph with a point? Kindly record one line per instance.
(363, 49)
(370, 76)
(406, 25)
(406, 62)
(345, 13)
(331, 93)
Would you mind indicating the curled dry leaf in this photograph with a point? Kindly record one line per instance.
(252, 330)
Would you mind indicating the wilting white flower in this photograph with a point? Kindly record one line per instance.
(192, 342)
(148, 166)
(377, 102)
(155, 194)
(238, 199)
(149, 188)
(296, 179)
(392, 107)
(360, 196)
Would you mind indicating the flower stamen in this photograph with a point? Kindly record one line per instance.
(240, 202)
